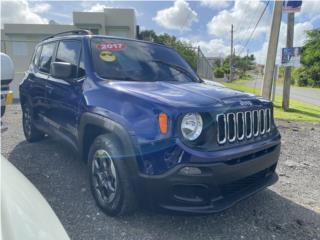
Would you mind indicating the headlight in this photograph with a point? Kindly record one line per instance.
(191, 126)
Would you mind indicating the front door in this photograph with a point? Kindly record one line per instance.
(64, 95)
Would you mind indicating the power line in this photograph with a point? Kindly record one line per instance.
(250, 27)
(255, 27)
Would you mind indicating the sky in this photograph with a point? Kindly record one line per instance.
(204, 23)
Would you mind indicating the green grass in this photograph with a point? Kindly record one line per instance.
(298, 110)
(311, 88)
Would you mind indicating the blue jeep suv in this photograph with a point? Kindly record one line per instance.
(149, 129)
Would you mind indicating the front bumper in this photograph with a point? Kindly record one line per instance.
(219, 186)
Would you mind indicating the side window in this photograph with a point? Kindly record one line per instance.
(37, 56)
(46, 57)
(69, 51)
(81, 71)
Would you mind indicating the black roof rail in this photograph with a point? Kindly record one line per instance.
(72, 32)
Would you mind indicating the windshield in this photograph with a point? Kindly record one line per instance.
(120, 59)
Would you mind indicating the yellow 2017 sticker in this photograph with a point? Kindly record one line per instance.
(107, 56)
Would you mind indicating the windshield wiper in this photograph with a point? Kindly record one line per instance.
(123, 79)
(179, 69)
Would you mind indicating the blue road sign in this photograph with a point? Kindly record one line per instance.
(291, 57)
(291, 6)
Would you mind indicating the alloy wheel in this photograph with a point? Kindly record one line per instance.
(27, 121)
(104, 176)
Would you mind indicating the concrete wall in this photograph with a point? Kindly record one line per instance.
(124, 26)
(113, 21)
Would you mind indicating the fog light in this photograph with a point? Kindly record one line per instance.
(190, 171)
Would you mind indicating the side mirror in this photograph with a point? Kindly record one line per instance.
(63, 70)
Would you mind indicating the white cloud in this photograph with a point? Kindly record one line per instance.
(299, 38)
(19, 11)
(215, 4)
(219, 47)
(100, 8)
(178, 17)
(41, 7)
(97, 8)
(243, 15)
(309, 8)
(214, 48)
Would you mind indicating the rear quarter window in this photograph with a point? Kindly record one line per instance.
(37, 56)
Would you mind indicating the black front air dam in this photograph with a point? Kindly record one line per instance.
(220, 185)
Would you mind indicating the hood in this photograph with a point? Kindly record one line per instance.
(181, 94)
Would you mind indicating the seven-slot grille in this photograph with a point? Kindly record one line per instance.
(243, 125)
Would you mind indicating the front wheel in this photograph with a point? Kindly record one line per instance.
(31, 133)
(110, 177)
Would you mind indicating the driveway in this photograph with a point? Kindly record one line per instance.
(288, 210)
(307, 95)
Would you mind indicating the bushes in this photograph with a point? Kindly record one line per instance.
(219, 72)
(302, 77)
(302, 80)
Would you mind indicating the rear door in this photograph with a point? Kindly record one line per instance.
(38, 76)
(64, 96)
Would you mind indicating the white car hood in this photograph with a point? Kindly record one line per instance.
(25, 214)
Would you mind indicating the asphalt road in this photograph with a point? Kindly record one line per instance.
(288, 210)
(303, 94)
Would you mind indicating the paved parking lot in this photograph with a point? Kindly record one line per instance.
(288, 210)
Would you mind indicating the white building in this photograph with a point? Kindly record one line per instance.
(19, 40)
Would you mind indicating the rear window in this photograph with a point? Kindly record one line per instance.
(119, 59)
(46, 57)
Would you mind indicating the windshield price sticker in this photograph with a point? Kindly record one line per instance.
(111, 46)
(107, 56)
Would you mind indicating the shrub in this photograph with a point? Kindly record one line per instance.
(219, 72)
(302, 79)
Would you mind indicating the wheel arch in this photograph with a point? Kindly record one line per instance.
(24, 99)
(93, 125)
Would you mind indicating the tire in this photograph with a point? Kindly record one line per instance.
(3, 110)
(31, 133)
(110, 177)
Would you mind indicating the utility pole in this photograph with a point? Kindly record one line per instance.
(287, 73)
(272, 50)
(231, 55)
(274, 82)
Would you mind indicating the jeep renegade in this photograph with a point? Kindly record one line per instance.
(149, 129)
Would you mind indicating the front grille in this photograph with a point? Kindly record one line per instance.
(242, 125)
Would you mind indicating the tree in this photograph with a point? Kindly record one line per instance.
(242, 65)
(184, 48)
(310, 73)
